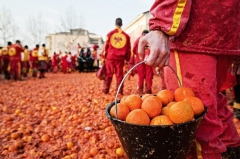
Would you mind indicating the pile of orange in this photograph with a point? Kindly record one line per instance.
(164, 108)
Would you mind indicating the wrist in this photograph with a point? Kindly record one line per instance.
(160, 32)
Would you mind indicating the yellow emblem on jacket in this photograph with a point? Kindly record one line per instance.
(118, 40)
(4, 51)
(12, 51)
(35, 53)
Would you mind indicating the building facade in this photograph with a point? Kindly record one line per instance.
(135, 28)
(68, 41)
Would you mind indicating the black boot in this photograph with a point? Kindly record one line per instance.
(7, 75)
(231, 153)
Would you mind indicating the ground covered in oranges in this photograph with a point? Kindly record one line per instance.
(61, 116)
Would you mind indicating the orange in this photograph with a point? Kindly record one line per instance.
(165, 111)
(152, 106)
(133, 101)
(123, 99)
(182, 92)
(161, 120)
(138, 116)
(122, 111)
(166, 96)
(181, 112)
(120, 151)
(170, 104)
(196, 104)
(145, 96)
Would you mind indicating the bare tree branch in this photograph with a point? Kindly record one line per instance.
(71, 25)
(37, 29)
(8, 28)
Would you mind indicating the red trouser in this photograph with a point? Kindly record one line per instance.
(24, 65)
(145, 72)
(34, 67)
(5, 65)
(205, 74)
(64, 68)
(55, 68)
(15, 69)
(113, 66)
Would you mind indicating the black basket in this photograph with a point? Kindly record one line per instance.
(155, 142)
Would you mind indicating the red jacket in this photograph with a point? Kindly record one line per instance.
(135, 49)
(64, 60)
(199, 26)
(34, 54)
(15, 51)
(117, 46)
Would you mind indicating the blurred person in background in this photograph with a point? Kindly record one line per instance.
(117, 50)
(145, 72)
(15, 51)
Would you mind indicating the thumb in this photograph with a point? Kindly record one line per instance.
(141, 47)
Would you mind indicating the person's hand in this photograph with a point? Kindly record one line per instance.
(159, 48)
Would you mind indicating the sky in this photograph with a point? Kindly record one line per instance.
(99, 15)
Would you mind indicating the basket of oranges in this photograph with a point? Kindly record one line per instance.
(157, 126)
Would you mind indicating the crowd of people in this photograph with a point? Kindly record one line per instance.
(17, 62)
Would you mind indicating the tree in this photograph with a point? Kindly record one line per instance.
(36, 29)
(71, 27)
(8, 29)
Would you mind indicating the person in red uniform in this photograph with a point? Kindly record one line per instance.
(64, 63)
(6, 61)
(15, 51)
(55, 61)
(144, 71)
(199, 40)
(73, 59)
(117, 50)
(34, 61)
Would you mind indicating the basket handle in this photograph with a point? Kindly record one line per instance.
(139, 63)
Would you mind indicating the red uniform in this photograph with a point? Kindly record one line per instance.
(199, 42)
(144, 71)
(34, 61)
(55, 62)
(15, 51)
(64, 64)
(118, 49)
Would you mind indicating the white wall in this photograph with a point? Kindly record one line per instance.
(134, 30)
